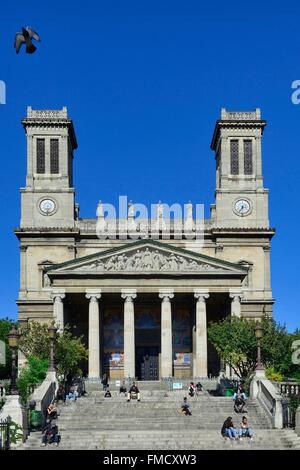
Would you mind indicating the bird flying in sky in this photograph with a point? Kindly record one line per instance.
(26, 37)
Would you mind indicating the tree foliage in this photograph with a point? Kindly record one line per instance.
(69, 354)
(235, 342)
(70, 351)
(5, 327)
(34, 340)
(33, 373)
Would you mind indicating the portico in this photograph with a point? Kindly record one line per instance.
(135, 313)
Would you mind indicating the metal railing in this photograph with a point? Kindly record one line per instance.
(5, 433)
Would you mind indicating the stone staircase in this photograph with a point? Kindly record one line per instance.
(154, 423)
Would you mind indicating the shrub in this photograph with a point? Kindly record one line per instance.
(273, 375)
(33, 373)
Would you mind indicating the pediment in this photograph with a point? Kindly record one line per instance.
(146, 257)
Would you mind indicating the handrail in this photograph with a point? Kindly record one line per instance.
(269, 398)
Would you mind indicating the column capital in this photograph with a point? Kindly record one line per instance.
(236, 296)
(128, 295)
(201, 296)
(93, 296)
(57, 296)
(166, 295)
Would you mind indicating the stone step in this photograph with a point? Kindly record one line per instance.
(200, 436)
(93, 422)
(264, 439)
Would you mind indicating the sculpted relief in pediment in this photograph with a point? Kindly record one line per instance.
(146, 260)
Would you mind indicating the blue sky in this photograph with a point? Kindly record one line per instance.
(144, 83)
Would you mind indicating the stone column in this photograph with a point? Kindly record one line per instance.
(23, 268)
(94, 336)
(200, 352)
(267, 286)
(129, 340)
(236, 305)
(58, 309)
(166, 369)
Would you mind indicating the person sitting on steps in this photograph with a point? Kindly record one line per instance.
(107, 393)
(133, 392)
(61, 394)
(185, 408)
(51, 412)
(240, 390)
(50, 434)
(72, 395)
(199, 388)
(123, 388)
(192, 389)
(239, 403)
(228, 430)
(245, 429)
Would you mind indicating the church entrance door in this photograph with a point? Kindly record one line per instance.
(147, 363)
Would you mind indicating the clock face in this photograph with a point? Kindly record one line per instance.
(242, 207)
(47, 206)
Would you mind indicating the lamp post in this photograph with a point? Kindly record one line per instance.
(13, 341)
(52, 336)
(258, 335)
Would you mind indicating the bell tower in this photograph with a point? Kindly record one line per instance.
(48, 197)
(240, 197)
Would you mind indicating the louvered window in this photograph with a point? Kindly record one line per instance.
(248, 164)
(40, 155)
(234, 157)
(54, 156)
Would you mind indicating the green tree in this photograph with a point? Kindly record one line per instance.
(291, 367)
(5, 327)
(32, 374)
(234, 340)
(34, 340)
(70, 352)
(276, 346)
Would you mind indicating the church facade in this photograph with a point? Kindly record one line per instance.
(143, 306)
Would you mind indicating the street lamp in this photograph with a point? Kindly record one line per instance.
(258, 335)
(13, 341)
(52, 336)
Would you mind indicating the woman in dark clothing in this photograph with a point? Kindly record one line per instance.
(61, 394)
(104, 382)
(50, 434)
(228, 429)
